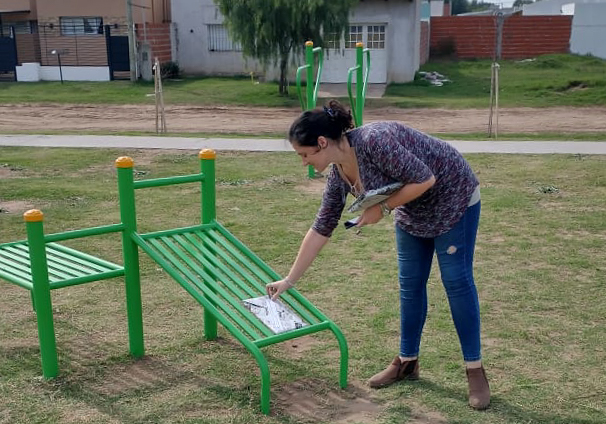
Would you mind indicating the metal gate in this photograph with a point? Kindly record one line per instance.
(117, 55)
(8, 57)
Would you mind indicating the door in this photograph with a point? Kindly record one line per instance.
(342, 55)
(117, 54)
(8, 58)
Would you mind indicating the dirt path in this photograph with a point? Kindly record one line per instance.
(123, 118)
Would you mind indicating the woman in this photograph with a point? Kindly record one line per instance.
(436, 210)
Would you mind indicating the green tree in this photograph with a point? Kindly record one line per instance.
(476, 6)
(459, 6)
(520, 3)
(272, 30)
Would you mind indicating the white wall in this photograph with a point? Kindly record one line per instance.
(403, 34)
(552, 7)
(436, 7)
(32, 72)
(589, 30)
(191, 17)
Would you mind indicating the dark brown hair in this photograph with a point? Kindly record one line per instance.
(330, 121)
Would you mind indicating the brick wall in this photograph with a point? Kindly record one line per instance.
(158, 37)
(424, 48)
(528, 36)
(469, 37)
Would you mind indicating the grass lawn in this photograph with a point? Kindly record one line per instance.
(551, 80)
(194, 91)
(539, 270)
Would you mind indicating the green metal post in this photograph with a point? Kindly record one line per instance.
(209, 214)
(130, 254)
(309, 89)
(207, 167)
(41, 292)
(359, 82)
(362, 74)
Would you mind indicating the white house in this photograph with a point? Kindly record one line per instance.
(440, 8)
(389, 28)
(554, 7)
(588, 23)
(589, 29)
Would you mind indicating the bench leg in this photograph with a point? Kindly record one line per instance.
(344, 354)
(265, 378)
(133, 299)
(42, 298)
(210, 326)
(46, 335)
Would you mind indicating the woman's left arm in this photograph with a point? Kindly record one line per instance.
(406, 194)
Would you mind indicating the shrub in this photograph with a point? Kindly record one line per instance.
(170, 70)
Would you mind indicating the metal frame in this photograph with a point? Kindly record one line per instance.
(361, 83)
(311, 88)
(211, 264)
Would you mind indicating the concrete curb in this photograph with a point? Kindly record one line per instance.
(278, 145)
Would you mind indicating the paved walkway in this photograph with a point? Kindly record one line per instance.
(277, 145)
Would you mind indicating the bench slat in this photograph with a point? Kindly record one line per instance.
(216, 286)
(232, 248)
(66, 266)
(55, 273)
(187, 277)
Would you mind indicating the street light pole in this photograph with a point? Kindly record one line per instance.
(132, 50)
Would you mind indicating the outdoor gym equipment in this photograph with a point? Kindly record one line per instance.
(212, 265)
(357, 104)
(311, 89)
(311, 93)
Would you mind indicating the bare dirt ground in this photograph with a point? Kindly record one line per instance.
(183, 119)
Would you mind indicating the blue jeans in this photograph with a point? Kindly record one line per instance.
(455, 257)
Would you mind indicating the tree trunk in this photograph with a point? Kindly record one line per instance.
(283, 78)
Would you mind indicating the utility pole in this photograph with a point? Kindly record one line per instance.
(132, 50)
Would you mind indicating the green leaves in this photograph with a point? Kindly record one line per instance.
(274, 30)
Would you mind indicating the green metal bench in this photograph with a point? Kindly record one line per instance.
(40, 264)
(212, 265)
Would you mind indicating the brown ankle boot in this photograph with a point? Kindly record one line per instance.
(479, 391)
(396, 371)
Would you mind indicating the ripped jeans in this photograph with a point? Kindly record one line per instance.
(455, 257)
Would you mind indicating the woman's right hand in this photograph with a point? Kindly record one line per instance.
(275, 289)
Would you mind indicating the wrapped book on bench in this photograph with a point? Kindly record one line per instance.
(372, 197)
(274, 314)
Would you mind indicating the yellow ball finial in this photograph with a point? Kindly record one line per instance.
(124, 162)
(207, 154)
(359, 44)
(309, 43)
(33, 215)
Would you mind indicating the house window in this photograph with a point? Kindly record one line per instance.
(81, 25)
(22, 27)
(376, 36)
(332, 41)
(219, 41)
(353, 37)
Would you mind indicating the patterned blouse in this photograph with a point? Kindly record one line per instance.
(388, 152)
